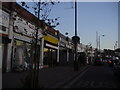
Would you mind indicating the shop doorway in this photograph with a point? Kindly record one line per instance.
(4, 57)
(50, 57)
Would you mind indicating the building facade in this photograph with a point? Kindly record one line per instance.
(18, 36)
(66, 54)
(21, 29)
(51, 48)
(5, 38)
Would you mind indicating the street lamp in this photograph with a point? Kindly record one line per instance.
(115, 46)
(67, 39)
(99, 41)
(75, 39)
(99, 45)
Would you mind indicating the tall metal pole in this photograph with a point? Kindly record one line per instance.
(75, 17)
(76, 63)
(96, 39)
(76, 40)
(99, 43)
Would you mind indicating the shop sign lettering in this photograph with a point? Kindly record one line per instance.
(4, 18)
(62, 44)
(4, 22)
(24, 27)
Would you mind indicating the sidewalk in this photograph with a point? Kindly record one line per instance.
(48, 78)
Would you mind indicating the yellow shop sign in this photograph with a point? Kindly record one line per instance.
(51, 39)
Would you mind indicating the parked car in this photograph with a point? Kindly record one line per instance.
(113, 63)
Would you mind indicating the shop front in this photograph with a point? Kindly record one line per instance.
(4, 38)
(71, 53)
(21, 55)
(24, 44)
(63, 52)
(66, 53)
(50, 51)
(4, 48)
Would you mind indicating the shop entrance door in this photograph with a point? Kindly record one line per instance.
(50, 57)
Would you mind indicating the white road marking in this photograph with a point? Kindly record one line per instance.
(72, 82)
(95, 84)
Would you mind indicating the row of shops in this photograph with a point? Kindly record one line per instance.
(17, 33)
(17, 36)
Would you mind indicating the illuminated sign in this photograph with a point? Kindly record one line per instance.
(51, 39)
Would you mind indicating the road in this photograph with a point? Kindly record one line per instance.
(95, 77)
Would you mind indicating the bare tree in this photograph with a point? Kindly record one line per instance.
(44, 7)
(41, 11)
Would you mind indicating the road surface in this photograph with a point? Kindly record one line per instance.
(95, 77)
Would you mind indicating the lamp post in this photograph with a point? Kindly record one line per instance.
(75, 17)
(67, 47)
(100, 42)
(75, 39)
(115, 46)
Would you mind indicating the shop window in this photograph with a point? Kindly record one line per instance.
(50, 57)
(46, 56)
(3, 28)
(21, 53)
